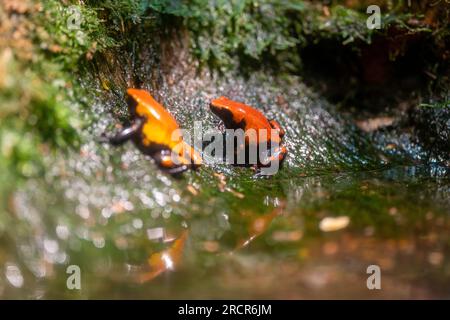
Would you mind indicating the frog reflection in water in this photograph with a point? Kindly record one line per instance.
(156, 133)
(259, 225)
(171, 258)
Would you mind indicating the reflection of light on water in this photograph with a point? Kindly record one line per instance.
(167, 261)
(63, 232)
(272, 201)
(14, 275)
(159, 197)
(99, 242)
(83, 211)
(155, 233)
(176, 197)
(146, 200)
(38, 268)
(137, 223)
(51, 246)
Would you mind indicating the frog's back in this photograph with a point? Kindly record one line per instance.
(160, 124)
(253, 118)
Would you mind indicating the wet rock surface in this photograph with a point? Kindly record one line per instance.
(111, 212)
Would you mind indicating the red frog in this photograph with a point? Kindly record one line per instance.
(237, 115)
(155, 132)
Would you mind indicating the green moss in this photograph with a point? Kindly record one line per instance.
(437, 104)
(34, 115)
(38, 112)
(76, 33)
(223, 32)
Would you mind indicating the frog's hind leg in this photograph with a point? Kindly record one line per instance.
(164, 159)
(175, 171)
(275, 125)
(126, 134)
(278, 155)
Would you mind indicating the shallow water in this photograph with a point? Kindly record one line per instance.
(220, 232)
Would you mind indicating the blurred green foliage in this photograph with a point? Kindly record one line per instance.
(76, 32)
(40, 54)
(250, 31)
(224, 31)
(34, 115)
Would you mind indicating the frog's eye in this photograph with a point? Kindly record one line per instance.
(223, 113)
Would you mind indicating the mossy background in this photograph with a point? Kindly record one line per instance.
(52, 77)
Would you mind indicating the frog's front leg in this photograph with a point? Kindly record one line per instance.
(164, 159)
(278, 154)
(127, 133)
(271, 164)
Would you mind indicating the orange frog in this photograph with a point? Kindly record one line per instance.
(167, 260)
(237, 115)
(155, 132)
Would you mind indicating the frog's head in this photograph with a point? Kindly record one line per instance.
(230, 112)
(142, 104)
(133, 99)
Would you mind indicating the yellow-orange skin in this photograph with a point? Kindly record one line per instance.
(160, 128)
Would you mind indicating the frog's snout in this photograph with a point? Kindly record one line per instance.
(215, 106)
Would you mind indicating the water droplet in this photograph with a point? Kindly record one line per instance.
(14, 275)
